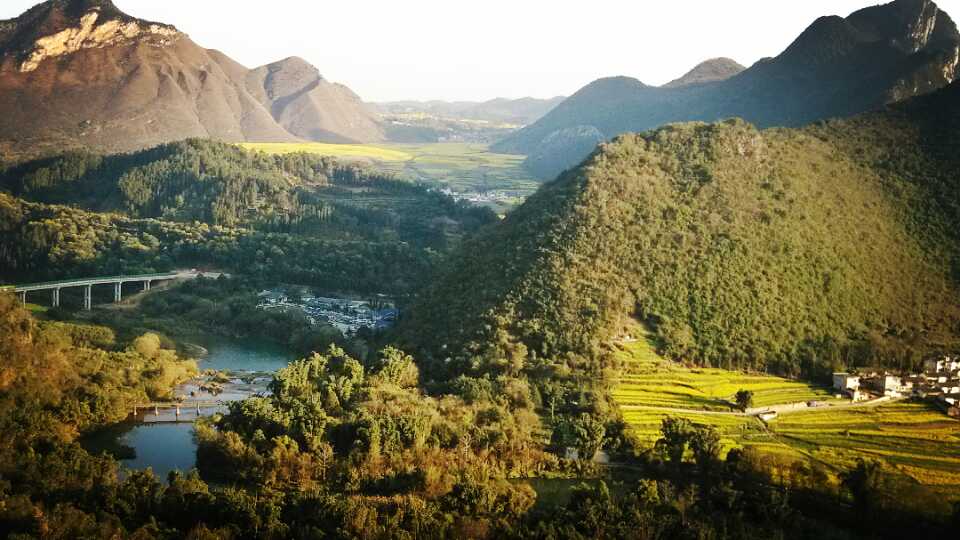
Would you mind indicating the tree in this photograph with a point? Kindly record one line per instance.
(744, 399)
(866, 485)
(675, 434)
(148, 345)
(705, 444)
(590, 433)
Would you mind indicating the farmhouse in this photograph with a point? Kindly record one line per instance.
(846, 382)
(887, 385)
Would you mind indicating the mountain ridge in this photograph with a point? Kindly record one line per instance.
(836, 67)
(83, 74)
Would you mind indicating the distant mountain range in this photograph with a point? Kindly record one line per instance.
(520, 112)
(838, 67)
(81, 73)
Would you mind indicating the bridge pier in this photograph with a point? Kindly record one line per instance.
(117, 281)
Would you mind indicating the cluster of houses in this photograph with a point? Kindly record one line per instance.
(481, 197)
(345, 315)
(939, 381)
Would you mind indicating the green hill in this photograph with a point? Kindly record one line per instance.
(794, 250)
(221, 184)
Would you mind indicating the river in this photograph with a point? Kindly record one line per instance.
(163, 443)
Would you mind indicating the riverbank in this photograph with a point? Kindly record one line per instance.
(160, 438)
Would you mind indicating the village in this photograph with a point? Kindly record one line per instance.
(346, 315)
(481, 197)
(939, 382)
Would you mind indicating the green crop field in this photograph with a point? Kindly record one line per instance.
(915, 439)
(464, 168)
(339, 150)
(653, 381)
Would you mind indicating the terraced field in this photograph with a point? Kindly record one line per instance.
(913, 438)
(650, 380)
(464, 168)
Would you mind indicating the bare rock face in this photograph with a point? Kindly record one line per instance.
(83, 74)
(88, 34)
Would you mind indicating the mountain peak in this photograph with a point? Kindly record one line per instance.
(715, 69)
(291, 76)
(61, 27)
(909, 26)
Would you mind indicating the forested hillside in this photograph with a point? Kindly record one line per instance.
(221, 184)
(39, 242)
(794, 250)
(343, 448)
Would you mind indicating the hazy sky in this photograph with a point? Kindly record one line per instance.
(480, 49)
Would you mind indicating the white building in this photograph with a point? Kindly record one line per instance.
(933, 365)
(891, 385)
(846, 382)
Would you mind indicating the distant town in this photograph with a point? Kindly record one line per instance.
(346, 315)
(939, 382)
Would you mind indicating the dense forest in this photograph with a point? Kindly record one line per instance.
(793, 250)
(226, 307)
(39, 242)
(344, 448)
(223, 185)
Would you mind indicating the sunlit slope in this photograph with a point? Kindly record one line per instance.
(915, 439)
(652, 381)
(791, 250)
(463, 167)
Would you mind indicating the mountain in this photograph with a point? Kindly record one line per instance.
(521, 111)
(837, 67)
(716, 69)
(81, 73)
(310, 107)
(790, 249)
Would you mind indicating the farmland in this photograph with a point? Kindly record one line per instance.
(914, 439)
(466, 169)
(649, 380)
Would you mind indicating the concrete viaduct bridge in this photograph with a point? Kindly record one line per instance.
(117, 281)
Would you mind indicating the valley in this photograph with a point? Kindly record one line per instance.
(470, 172)
(269, 305)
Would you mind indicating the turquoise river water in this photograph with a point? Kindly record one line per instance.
(164, 444)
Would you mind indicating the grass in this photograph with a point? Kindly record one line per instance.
(463, 167)
(913, 438)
